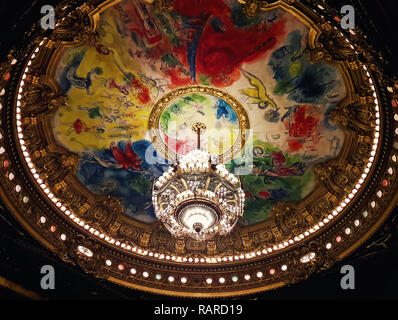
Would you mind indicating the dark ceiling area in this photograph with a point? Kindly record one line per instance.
(21, 256)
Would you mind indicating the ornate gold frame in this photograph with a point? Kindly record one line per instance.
(336, 177)
(161, 104)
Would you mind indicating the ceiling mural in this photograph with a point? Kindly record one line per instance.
(142, 54)
(101, 118)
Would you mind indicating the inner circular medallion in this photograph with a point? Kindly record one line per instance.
(175, 114)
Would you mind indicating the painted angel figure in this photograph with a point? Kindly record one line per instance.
(257, 94)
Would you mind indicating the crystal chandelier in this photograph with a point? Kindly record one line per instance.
(198, 197)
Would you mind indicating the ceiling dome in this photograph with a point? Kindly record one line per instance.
(98, 110)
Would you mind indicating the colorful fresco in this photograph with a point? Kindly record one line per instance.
(141, 55)
(179, 116)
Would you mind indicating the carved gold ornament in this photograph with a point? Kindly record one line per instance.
(355, 191)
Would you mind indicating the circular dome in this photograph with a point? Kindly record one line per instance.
(295, 107)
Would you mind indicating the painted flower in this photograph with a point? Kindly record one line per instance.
(248, 195)
(78, 126)
(264, 194)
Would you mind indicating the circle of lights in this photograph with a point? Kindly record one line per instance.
(159, 256)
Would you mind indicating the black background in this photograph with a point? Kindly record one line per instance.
(375, 262)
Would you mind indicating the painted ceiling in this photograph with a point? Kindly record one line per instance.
(297, 107)
(142, 55)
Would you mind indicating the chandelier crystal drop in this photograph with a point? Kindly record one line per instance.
(198, 197)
